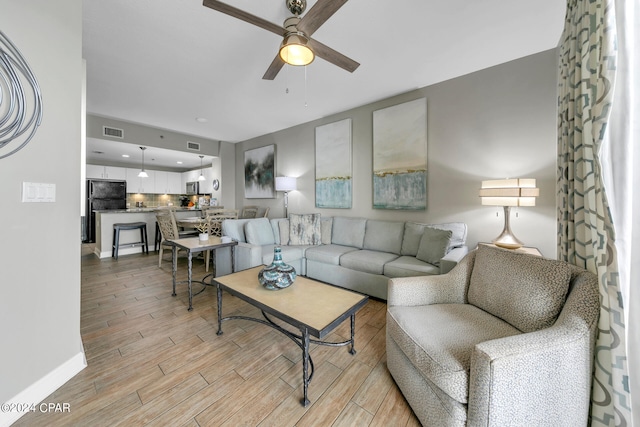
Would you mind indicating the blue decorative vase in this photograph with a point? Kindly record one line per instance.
(277, 275)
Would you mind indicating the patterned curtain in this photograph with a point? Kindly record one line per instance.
(586, 235)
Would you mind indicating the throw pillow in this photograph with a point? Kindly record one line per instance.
(434, 244)
(304, 229)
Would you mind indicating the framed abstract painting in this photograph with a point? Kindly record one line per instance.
(259, 173)
(400, 156)
(333, 165)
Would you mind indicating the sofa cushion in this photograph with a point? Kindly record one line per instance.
(525, 290)
(434, 244)
(439, 339)
(234, 228)
(304, 229)
(259, 232)
(367, 261)
(348, 231)
(275, 227)
(384, 236)
(325, 229)
(408, 266)
(328, 254)
(413, 234)
(283, 231)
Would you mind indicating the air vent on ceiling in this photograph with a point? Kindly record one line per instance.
(112, 132)
(193, 146)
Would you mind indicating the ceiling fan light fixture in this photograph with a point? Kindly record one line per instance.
(294, 49)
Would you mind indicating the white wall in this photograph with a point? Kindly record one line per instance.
(40, 250)
(495, 123)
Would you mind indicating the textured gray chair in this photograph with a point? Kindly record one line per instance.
(503, 339)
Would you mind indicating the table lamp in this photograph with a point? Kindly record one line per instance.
(507, 193)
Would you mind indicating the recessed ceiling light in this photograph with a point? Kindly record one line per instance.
(201, 120)
(125, 155)
(179, 162)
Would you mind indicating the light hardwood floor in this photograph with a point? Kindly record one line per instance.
(152, 362)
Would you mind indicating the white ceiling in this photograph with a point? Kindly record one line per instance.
(163, 63)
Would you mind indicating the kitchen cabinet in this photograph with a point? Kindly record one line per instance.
(135, 184)
(105, 172)
(168, 183)
(206, 186)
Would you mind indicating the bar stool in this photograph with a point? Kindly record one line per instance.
(142, 226)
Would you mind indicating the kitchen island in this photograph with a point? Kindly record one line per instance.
(104, 234)
(104, 228)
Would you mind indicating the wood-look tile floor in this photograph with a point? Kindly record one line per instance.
(152, 362)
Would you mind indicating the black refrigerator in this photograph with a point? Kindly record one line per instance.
(102, 195)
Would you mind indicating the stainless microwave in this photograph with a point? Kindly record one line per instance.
(193, 187)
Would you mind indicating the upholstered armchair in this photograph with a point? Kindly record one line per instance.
(503, 339)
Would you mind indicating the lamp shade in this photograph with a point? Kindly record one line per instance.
(294, 50)
(509, 192)
(285, 183)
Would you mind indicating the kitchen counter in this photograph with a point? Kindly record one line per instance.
(137, 210)
(106, 218)
(104, 234)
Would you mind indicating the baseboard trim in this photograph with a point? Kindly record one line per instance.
(42, 388)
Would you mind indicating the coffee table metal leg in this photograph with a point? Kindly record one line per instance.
(219, 295)
(305, 364)
(353, 334)
(189, 265)
(174, 267)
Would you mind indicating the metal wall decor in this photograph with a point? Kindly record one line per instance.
(18, 120)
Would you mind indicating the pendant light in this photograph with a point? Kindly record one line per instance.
(201, 177)
(143, 173)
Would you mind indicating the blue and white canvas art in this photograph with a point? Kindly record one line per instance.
(400, 156)
(259, 173)
(333, 165)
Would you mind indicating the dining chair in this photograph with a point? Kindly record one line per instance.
(249, 212)
(215, 218)
(168, 229)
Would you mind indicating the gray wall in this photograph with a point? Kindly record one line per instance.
(40, 250)
(495, 123)
(138, 134)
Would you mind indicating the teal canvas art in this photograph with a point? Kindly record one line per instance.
(400, 156)
(333, 165)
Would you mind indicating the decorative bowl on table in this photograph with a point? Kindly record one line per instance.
(277, 275)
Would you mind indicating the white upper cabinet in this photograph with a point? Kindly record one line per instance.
(168, 183)
(206, 186)
(136, 184)
(105, 172)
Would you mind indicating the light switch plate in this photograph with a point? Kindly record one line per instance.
(36, 192)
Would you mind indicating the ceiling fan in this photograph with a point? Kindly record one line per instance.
(296, 33)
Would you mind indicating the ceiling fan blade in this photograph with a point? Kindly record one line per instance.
(318, 14)
(244, 16)
(274, 68)
(332, 56)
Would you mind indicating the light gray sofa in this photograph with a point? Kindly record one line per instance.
(503, 339)
(355, 253)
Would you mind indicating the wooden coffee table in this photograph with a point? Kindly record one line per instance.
(312, 307)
